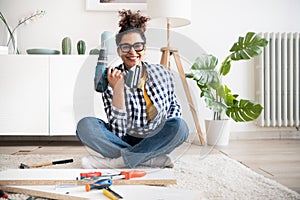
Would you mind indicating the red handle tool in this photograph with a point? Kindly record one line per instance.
(122, 175)
(90, 175)
(132, 174)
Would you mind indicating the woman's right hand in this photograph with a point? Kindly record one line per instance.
(116, 80)
(115, 77)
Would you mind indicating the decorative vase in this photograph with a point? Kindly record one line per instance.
(3, 50)
(12, 43)
(217, 132)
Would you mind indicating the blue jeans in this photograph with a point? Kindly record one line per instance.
(96, 134)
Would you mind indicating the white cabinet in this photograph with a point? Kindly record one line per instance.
(24, 90)
(63, 75)
(46, 94)
(71, 91)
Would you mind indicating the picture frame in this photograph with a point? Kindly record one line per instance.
(98, 5)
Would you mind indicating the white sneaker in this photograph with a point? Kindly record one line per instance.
(95, 162)
(161, 161)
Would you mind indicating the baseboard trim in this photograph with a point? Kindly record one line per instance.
(265, 134)
(258, 134)
(39, 138)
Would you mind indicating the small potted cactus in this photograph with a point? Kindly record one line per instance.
(81, 47)
(66, 45)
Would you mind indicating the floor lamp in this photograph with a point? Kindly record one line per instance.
(173, 13)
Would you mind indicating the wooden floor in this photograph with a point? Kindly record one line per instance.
(276, 159)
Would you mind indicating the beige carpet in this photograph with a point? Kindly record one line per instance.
(216, 176)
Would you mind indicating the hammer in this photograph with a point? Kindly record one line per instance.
(23, 166)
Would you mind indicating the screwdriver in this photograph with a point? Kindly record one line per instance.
(104, 185)
(100, 184)
(111, 194)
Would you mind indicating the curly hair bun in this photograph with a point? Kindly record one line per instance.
(130, 20)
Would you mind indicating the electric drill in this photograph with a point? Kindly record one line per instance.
(132, 77)
(100, 80)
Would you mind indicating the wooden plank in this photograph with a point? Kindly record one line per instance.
(43, 194)
(71, 176)
(115, 182)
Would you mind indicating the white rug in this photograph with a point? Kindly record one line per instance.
(221, 177)
(216, 176)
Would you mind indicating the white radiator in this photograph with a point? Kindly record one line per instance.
(278, 73)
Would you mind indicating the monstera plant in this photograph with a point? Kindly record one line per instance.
(217, 96)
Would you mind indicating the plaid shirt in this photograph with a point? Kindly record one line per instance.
(160, 88)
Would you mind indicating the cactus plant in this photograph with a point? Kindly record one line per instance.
(66, 46)
(81, 47)
(94, 52)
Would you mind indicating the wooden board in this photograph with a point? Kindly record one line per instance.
(71, 176)
(46, 183)
(128, 192)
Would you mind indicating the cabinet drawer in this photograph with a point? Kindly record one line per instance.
(24, 88)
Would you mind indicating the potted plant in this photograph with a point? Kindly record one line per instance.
(217, 96)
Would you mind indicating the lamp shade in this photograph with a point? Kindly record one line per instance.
(178, 12)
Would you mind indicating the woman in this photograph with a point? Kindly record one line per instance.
(144, 123)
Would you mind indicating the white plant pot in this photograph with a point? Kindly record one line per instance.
(217, 132)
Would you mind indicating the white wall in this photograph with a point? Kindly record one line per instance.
(216, 24)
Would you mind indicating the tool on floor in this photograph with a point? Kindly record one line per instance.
(3, 195)
(111, 194)
(24, 166)
(122, 175)
(100, 184)
(128, 174)
(104, 185)
(90, 175)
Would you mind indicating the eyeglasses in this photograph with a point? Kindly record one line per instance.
(138, 46)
